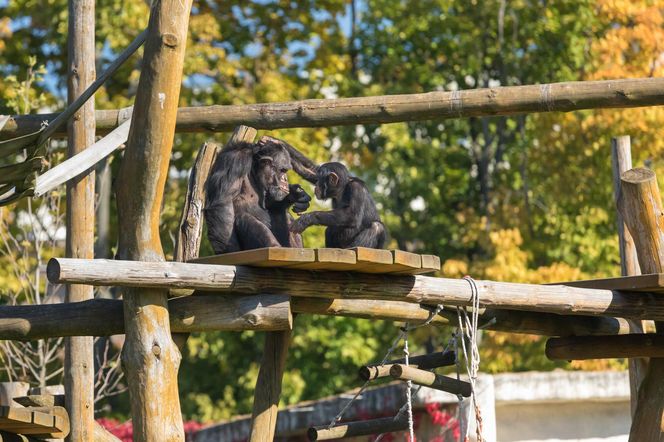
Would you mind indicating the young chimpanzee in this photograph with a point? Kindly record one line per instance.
(248, 197)
(353, 220)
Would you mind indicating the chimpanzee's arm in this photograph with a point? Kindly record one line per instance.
(302, 165)
(349, 214)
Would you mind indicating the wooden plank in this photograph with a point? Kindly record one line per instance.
(330, 259)
(405, 263)
(653, 282)
(372, 260)
(14, 414)
(265, 257)
(430, 263)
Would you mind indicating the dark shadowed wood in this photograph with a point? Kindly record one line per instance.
(425, 362)
(104, 317)
(641, 208)
(511, 100)
(414, 289)
(359, 428)
(430, 379)
(150, 358)
(79, 359)
(652, 283)
(601, 347)
(513, 321)
(621, 162)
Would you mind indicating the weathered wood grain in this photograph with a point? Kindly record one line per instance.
(512, 321)
(602, 347)
(513, 100)
(104, 317)
(621, 162)
(424, 362)
(265, 257)
(268, 386)
(641, 207)
(414, 289)
(430, 379)
(150, 357)
(82, 161)
(359, 428)
(79, 358)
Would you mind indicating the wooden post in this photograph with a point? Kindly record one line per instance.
(268, 386)
(150, 358)
(79, 359)
(621, 161)
(641, 207)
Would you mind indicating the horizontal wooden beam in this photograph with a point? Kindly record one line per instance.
(430, 379)
(606, 347)
(359, 428)
(513, 321)
(104, 317)
(346, 285)
(511, 100)
(425, 362)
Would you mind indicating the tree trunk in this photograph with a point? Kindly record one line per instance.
(150, 358)
(79, 360)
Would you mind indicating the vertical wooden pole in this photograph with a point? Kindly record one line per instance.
(79, 362)
(268, 386)
(641, 207)
(150, 358)
(621, 156)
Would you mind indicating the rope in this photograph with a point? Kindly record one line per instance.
(403, 333)
(409, 387)
(468, 330)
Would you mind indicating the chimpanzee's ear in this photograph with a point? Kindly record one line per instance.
(333, 178)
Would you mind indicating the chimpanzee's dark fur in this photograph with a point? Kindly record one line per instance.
(248, 197)
(353, 220)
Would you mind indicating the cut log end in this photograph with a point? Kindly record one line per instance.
(312, 434)
(53, 271)
(638, 175)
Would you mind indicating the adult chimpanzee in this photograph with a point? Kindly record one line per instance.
(353, 220)
(248, 197)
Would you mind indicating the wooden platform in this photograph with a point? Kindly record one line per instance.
(359, 259)
(653, 283)
(30, 421)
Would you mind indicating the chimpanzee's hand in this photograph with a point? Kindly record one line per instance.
(299, 197)
(300, 224)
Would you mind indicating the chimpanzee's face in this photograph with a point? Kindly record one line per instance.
(271, 173)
